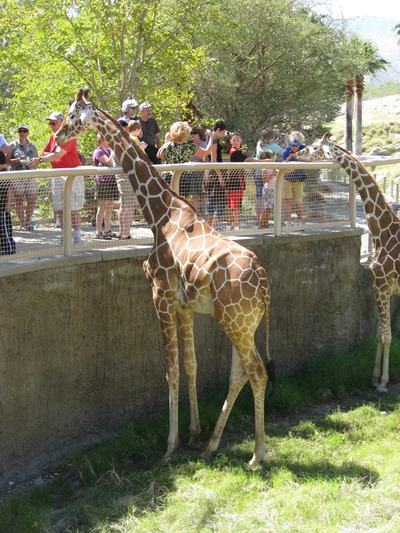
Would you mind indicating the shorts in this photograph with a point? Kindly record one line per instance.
(234, 199)
(293, 190)
(77, 193)
(127, 197)
(268, 197)
(24, 186)
(106, 190)
(258, 182)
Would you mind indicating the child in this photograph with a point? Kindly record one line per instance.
(269, 179)
(135, 132)
(7, 243)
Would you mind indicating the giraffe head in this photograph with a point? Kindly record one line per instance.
(78, 120)
(320, 149)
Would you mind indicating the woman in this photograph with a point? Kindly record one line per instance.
(199, 138)
(179, 149)
(106, 190)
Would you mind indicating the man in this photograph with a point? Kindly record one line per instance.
(214, 183)
(151, 132)
(64, 157)
(129, 109)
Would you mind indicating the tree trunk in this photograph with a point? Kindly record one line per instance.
(359, 87)
(348, 132)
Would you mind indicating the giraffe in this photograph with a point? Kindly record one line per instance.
(192, 269)
(384, 227)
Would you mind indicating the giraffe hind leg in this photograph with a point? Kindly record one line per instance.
(237, 380)
(244, 368)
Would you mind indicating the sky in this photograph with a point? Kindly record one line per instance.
(362, 8)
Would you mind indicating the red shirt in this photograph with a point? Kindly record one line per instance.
(68, 160)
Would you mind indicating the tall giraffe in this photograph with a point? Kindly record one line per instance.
(192, 269)
(384, 227)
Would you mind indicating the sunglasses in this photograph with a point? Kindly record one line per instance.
(53, 123)
(23, 131)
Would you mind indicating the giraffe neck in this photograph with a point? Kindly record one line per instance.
(155, 197)
(380, 215)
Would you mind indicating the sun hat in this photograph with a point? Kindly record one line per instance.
(55, 116)
(144, 105)
(23, 127)
(268, 135)
(130, 102)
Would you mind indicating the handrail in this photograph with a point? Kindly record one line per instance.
(177, 169)
(92, 170)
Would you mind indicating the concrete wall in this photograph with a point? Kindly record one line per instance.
(81, 350)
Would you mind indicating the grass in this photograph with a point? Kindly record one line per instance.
(332, 465)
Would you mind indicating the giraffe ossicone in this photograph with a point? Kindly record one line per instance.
(191, 269)
(384, 227)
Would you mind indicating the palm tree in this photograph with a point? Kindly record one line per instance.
(371, 64)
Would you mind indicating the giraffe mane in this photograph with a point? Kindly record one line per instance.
(82, 95)
(364, 168)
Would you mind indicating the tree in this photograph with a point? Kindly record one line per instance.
(278, 63)
(118, 49)
(369, 62)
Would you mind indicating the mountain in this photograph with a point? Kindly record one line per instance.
(380, 31)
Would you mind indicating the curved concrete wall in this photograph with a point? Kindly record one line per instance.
(81, 350)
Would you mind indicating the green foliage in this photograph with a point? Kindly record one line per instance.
(250, 62)
(328, 466)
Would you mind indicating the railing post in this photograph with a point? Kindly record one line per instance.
(278, 202)
(67, 221)
(175, 180)
(352, 204)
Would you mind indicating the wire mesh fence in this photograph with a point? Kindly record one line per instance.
(235, 199)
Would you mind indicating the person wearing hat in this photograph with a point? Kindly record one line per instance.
(22, 150)
(293, 182)
(129, 109)
(65, 156)
(151, 132)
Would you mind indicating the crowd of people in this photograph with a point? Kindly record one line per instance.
(213, 192)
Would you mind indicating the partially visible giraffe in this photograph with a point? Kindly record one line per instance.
(384, 227)
(192, 269)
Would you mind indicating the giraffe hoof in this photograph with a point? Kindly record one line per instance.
(255, 461)
(194, 443)
(381, 389)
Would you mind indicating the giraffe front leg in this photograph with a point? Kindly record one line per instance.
(385, 369)
(377, 367)
(185, 317)
(167, 317)
(380, 376)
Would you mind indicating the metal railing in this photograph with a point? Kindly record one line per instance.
(328, 201)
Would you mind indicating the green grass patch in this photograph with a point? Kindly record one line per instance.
(331, 465)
